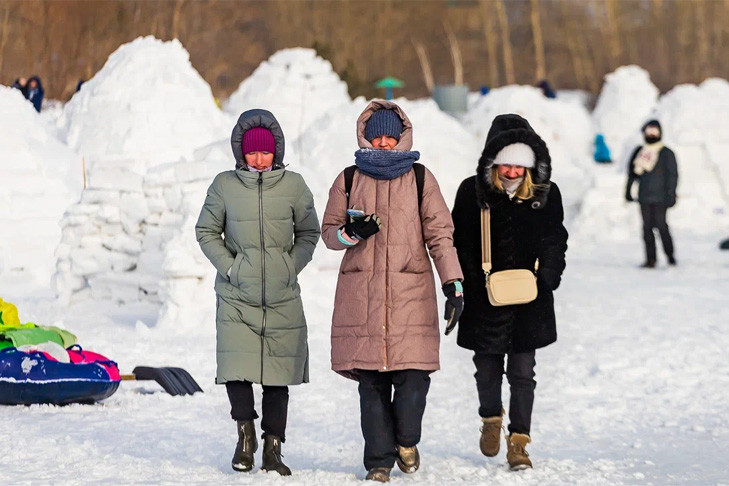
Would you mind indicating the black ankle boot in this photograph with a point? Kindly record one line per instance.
(272, 456)
(247, 445)
(649, 264)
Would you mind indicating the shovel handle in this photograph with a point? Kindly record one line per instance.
(130, 377)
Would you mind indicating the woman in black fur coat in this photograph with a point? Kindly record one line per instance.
(513, 181)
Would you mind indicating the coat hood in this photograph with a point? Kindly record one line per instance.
(406, 138)
(37, 80)
(257, 118)
(506, 130)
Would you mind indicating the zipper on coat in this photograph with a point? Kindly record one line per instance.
(263, 267)
(387, 277)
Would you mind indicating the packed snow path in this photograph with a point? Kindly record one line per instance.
(634, 391)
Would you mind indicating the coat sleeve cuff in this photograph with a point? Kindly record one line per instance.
(344, 239)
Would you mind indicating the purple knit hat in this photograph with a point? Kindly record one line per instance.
(258, 139)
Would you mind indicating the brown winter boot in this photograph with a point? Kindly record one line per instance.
(491, 435)
(247, 445)
(516, 452)
(380, 474)
(408, 459)
(272, 456)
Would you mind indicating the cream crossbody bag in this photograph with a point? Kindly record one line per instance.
(507, 287)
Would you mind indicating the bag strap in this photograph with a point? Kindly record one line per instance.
(419, 181)
(486, 242)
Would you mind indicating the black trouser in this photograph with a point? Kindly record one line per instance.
(387, 420)
(520, 373)
(654, 216)
(275, 406)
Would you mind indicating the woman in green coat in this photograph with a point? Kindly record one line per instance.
(258, 227)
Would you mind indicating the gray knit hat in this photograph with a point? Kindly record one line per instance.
(383, 122)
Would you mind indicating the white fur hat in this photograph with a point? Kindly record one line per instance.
(516, 154)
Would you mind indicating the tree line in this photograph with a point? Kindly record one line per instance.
(571, 43)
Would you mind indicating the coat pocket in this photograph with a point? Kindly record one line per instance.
(235, 269)
(291, 267)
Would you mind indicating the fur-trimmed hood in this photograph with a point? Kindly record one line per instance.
(257, 118)
(506, 130)
(406, 137)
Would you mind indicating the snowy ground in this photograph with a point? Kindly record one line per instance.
(634, 391)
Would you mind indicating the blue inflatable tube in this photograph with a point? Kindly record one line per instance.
(32, 378)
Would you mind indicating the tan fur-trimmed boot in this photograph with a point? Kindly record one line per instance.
(491, 435)
(516, 452)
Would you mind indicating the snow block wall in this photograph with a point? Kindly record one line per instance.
(40, 178)
(694, 126)
(296, 85)
(626, 101)
(146, 108)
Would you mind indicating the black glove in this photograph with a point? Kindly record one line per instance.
(361, 229)
(550, 278)
(629, 197)
(453, 307)
(672, 202)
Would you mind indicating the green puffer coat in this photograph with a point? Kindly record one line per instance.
(271, 230)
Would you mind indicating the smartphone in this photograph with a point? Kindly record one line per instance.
(355, 213)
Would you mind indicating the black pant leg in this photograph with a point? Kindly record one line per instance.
(662, 225)
(408, 404)
(648, 212)
(240, 394)
(376, 418)
(520, 373)
(275, 406)
(489, 373)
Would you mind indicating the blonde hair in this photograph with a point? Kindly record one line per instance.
(525, 191)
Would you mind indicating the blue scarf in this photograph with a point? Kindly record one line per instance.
(385, 164)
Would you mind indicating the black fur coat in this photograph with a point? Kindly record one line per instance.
(521, 233)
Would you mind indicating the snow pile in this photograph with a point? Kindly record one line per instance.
(146, 106)
(145, 109)
(40, 178)
(296, 85)
(563, 124)
(626, 101)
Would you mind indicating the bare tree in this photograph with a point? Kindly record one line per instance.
(505, 41)
(541, 67)
(490, 38)
(455, 55)
(425, 66)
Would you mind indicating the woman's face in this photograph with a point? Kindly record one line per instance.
(259, 160)
(510, 171)
(384, 142)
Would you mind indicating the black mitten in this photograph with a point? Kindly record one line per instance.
(361, 229)
(454, 305)
(551, 278)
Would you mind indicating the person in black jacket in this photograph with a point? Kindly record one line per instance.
(654, 166)
(513, 181)
(34, 92)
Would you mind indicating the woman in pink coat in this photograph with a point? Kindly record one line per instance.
(385, 323)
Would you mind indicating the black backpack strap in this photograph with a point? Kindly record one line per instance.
(348, 178)
(419, 181)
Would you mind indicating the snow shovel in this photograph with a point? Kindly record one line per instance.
(175, 381)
